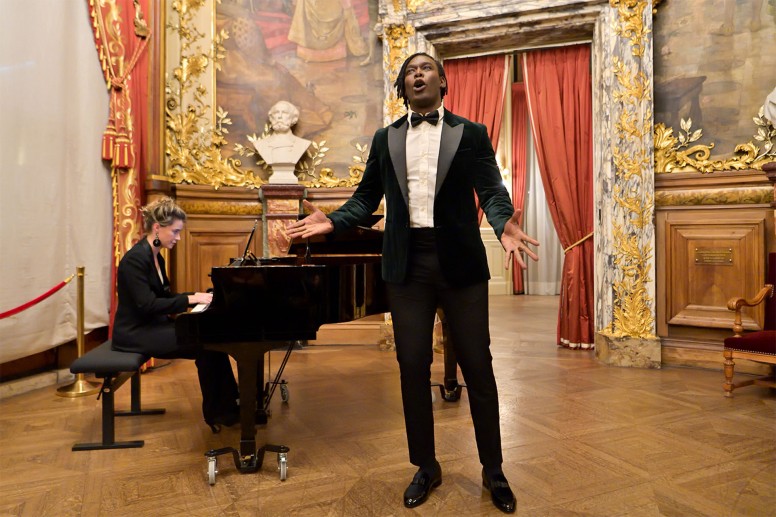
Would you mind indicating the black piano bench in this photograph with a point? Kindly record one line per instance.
(114, 368)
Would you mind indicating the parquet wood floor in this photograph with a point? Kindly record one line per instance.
(580, 439)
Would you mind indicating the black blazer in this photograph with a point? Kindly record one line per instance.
(466, 164)
(145, 301)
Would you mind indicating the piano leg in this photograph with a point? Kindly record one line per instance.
(250, 373)
(250, 364)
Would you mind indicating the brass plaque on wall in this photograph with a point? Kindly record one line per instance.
(714, 256)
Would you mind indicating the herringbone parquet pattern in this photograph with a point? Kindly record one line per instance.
(579, 439)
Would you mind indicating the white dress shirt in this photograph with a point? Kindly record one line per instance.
(422, 147)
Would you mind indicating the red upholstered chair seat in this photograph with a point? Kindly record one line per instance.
(758, 346)
(763, 342)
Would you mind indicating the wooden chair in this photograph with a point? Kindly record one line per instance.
(759, 346)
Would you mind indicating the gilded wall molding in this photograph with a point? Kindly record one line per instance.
(717, 196)
(673, 153)
(631, 27)
(219, 207)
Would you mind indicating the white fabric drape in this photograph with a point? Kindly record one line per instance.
(542, 277)
(55, 192)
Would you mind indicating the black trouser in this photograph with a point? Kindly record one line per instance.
(413, 306)
(216, 378)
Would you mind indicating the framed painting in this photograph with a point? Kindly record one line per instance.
(714, 66)
(322, 56)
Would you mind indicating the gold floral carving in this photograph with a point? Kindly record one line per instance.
(327, 179)
(126, 213)
(632, 23)
(313, 158)
(632, 313)
(394, 106)
(634, 86)
(397, 38)
(726, 196)
(673, 153)
(192, 144)
(632, 304)
(413, 5)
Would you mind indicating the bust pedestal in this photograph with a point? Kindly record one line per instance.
(281, 206)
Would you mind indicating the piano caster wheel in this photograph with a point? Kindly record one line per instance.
(284, 393)
(283, 465)
(211, 470)
(452, 395)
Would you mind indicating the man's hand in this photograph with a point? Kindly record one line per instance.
(515, 242)
(314, 224)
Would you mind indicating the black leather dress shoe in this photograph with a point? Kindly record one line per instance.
(421, 486)
(500, 493)
(227, 419)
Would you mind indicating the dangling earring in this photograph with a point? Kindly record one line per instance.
(157, 243)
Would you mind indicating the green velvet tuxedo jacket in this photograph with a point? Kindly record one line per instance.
(466, 165)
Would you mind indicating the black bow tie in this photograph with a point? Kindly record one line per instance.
(432, 118)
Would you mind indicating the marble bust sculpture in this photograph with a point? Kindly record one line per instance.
(282, 149)
(770, 107)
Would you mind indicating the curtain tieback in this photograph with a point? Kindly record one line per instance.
(580, 241)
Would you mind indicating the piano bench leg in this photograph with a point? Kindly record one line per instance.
(134, 444)
(110, 384)
(135, 401)
(108, 429)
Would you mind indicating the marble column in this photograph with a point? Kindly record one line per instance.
(624, 183)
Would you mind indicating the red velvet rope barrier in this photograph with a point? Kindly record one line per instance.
(39, 299)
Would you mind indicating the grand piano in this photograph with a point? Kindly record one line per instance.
(264, 304)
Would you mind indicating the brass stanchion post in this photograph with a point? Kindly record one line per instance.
(81, 386)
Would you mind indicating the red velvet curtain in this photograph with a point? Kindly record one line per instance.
(558, 86)
(121, 36)
(519, 161)
(476, 91)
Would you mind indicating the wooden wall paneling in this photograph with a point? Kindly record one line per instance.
(713, 255)
(691, 296)
(210, 241)
(217, 228)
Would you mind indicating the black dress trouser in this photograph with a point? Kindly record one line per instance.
(413, 307)
(216, 378)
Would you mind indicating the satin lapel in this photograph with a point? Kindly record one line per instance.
(397, 147)
(451, 137)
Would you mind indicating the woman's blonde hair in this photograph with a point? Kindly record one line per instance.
(163, 211)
